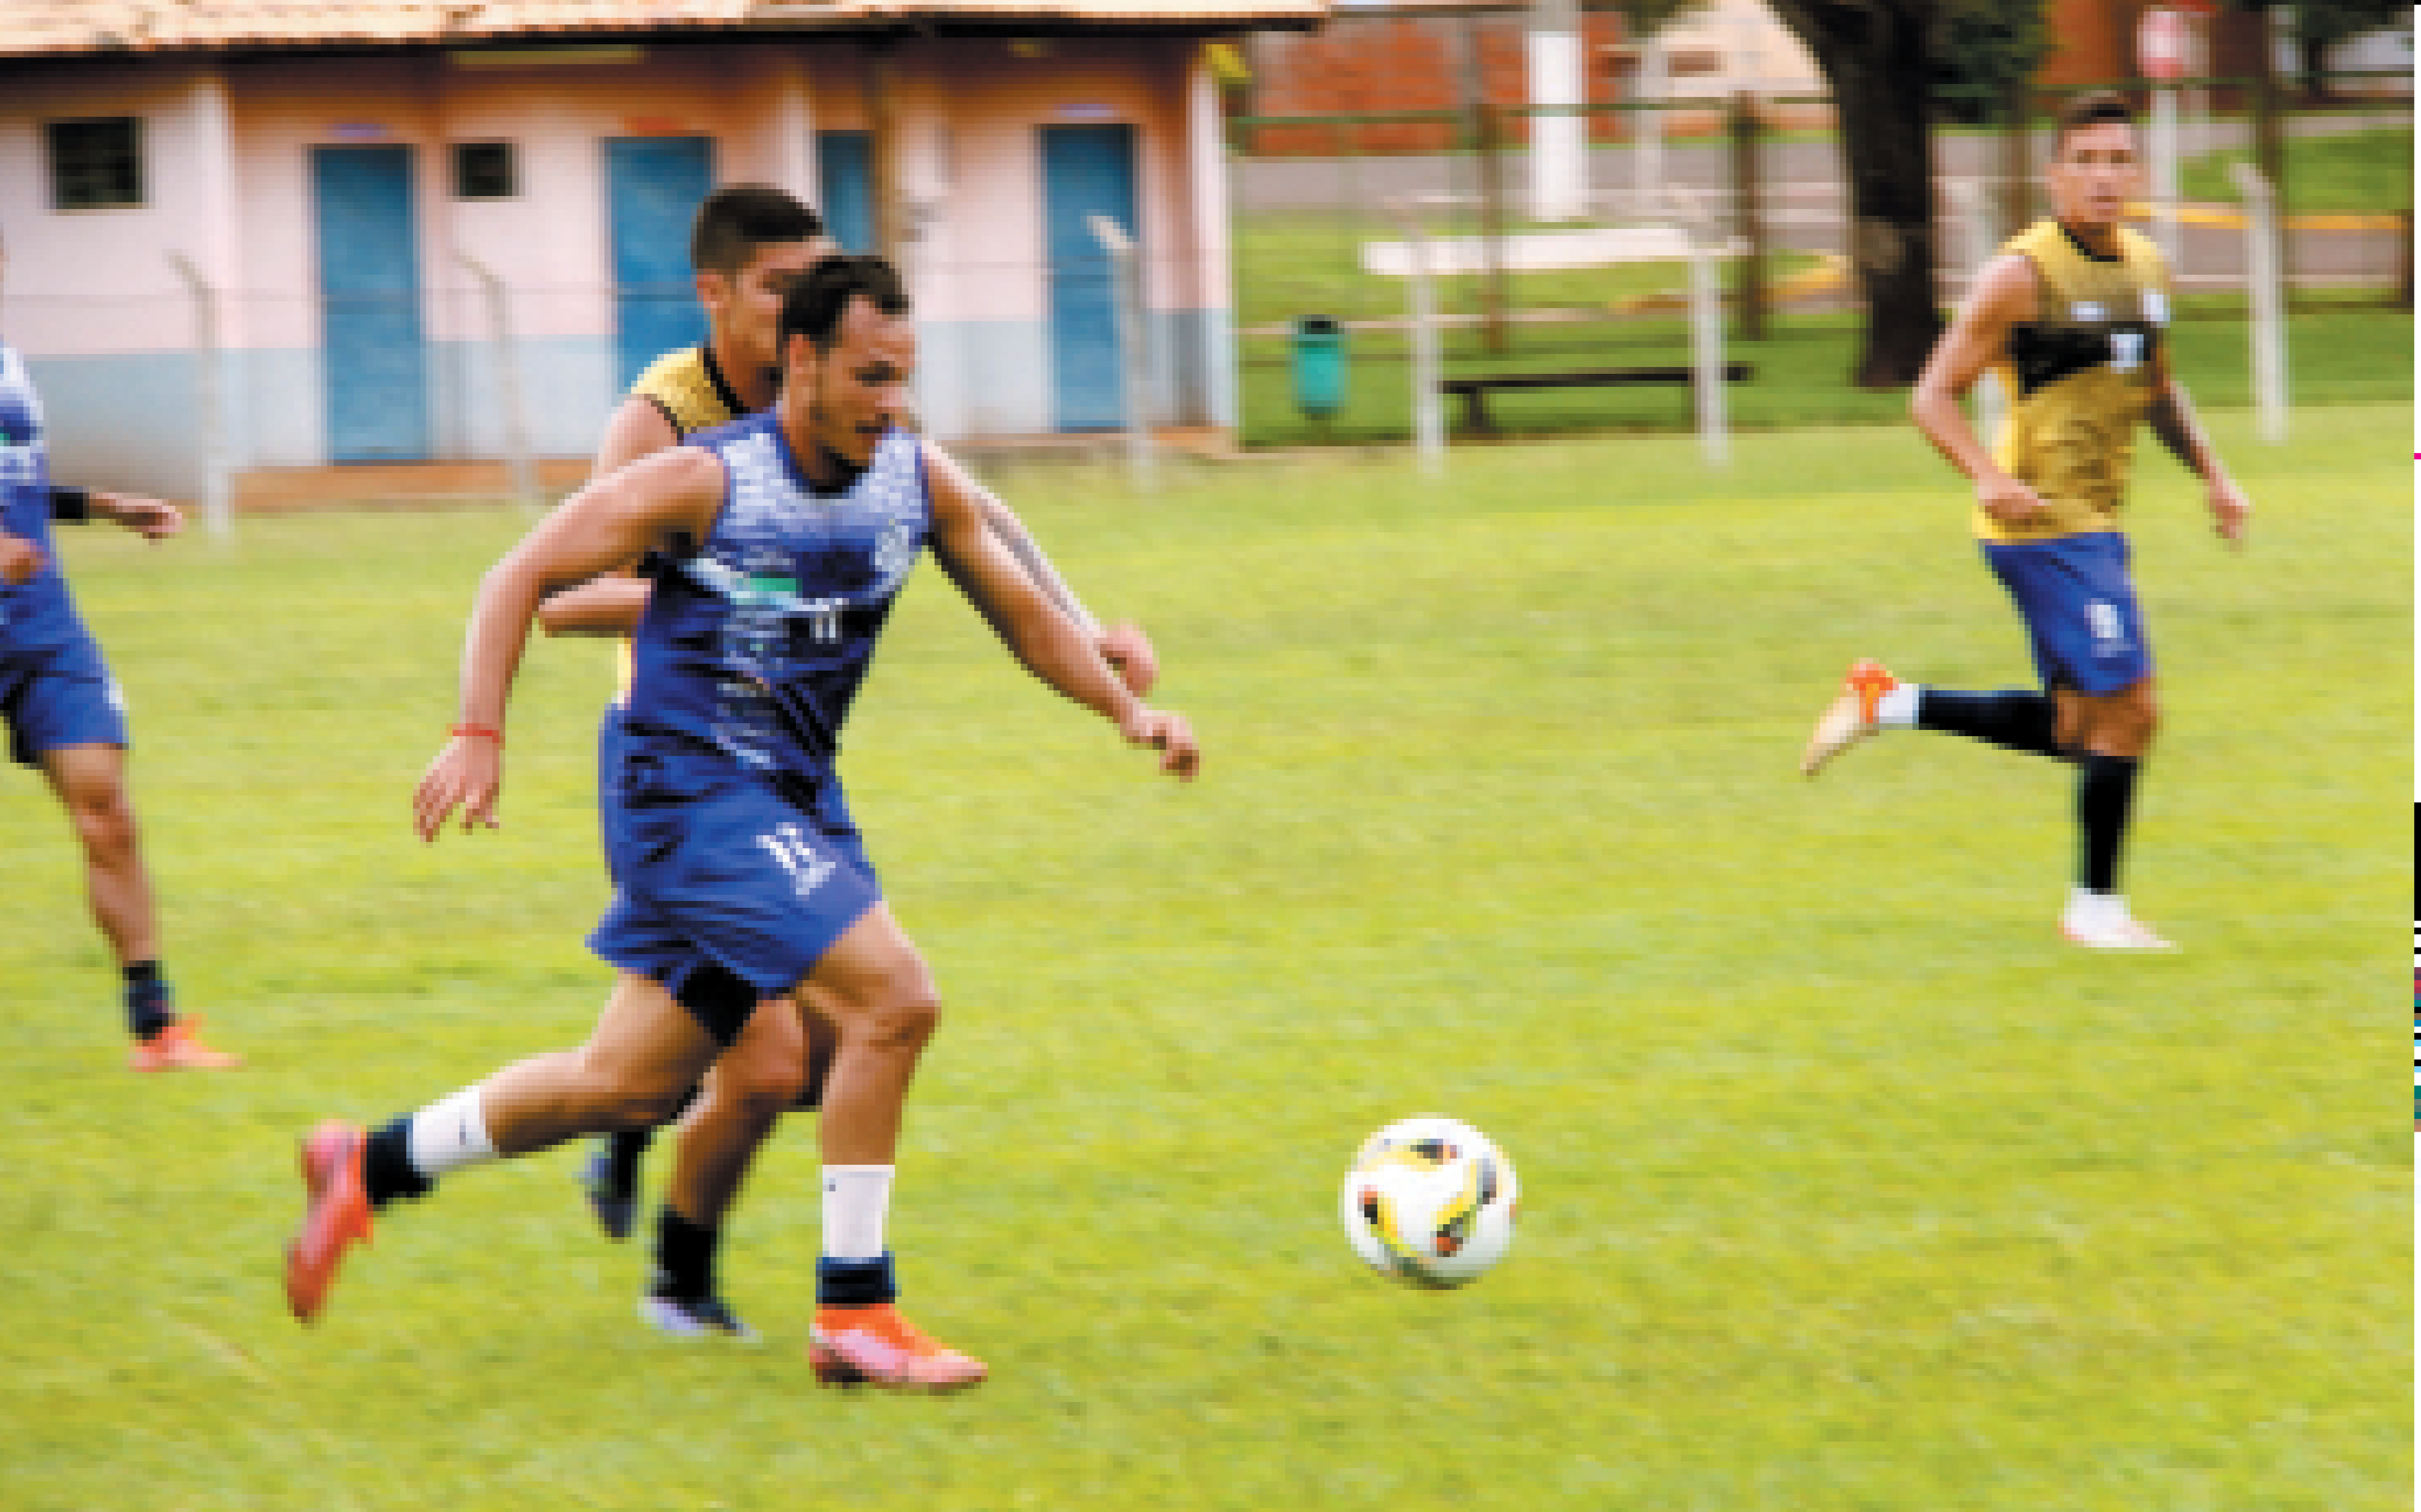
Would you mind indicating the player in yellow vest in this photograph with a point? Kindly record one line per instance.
(2071, 316)
(748, 245)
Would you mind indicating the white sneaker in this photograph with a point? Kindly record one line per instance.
(2104, 924)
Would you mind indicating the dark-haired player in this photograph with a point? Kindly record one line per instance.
(740, 879)
(749, 244)
(2072, 314)
(66, 716)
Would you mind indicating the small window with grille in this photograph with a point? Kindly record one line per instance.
(483, 170)
(95, 164)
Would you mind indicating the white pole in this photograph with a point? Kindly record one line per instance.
(2269, 332)
(1429, 418)
(1647, 130)
(1707, 348)
(1992, 404)
(216, 509)
(1559, 139)
(509, 382)
(1132, 372)
(2165, 173)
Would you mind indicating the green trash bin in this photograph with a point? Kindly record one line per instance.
(1319, 366)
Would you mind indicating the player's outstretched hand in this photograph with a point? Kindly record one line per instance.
(19, 559)
(467, 776)
(1169, 734)
(154, 519)
(2231, 512)
(1128, 650)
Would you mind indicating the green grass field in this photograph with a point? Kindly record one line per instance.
(1847, 1185)
(2355, 172)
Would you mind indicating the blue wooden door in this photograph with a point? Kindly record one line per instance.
(1086, 171)
(376, 376)
(845, 169)
(653, 185)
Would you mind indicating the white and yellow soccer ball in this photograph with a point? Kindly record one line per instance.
(1430, 1201)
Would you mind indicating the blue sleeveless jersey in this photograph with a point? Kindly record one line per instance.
(756, 642)
(36, 615)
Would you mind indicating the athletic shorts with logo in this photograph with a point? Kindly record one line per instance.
(61, 695)
(728, 887)
(2080, 609)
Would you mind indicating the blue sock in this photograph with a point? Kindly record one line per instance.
(148, 1002)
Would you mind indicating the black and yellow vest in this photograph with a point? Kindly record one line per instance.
(690, 390)
(2080, 376)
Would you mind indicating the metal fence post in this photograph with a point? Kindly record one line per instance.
(1429, 420)
(1134, 359)
(509, 381)
(2265, 281)
(217, 510)
(1748, 218)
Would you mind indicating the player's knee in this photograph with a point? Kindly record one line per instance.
(763, 1086)
(902, 1018)
(103, 821)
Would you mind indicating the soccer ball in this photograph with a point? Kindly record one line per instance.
(1429, 1201)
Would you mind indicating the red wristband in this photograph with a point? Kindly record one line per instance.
(481, 731)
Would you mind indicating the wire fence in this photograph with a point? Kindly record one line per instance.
(1316, 230)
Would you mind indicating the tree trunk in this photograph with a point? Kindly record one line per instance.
(1874, 54)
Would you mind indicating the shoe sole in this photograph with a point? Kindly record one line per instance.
(2154, 946)
(833, 1370)
(308, 1280)
(655, 1319)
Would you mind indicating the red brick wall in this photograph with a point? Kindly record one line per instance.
(1382, 64)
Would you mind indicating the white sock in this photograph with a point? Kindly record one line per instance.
(2083, 903)
(856, 1199)
(449, 1134)
(1896, 708)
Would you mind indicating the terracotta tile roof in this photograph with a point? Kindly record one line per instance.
(54, 28)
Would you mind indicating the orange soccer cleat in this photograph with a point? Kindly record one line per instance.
(179, 1048)
(336, 1212)
(1850, 717)
(874, 1345)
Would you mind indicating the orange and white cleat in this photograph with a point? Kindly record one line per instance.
(179, 1048)
(1850, 717)
(874, 1345)
(336, 1212)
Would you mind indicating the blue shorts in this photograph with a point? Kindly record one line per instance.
(58, 697)
(726, 888)
(2080, 609)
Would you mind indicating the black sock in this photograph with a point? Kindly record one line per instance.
(855, 1283)
(624, 1148)
(2106, 791)
(148, 1002)
(387, 1170)
(684, 1255)
(2018, 718)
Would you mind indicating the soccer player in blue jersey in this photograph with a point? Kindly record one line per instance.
(741, 878)
(748, 244)
(64, 714)
(2072, 314)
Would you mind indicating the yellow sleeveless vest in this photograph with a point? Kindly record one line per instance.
(2080, 376)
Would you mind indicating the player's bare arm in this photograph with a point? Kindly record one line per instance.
(2004, 296)
(1124, 646)
(618, 519)
(152, 519)
(1049, 644)
(610, 605)
(2172, 418)
(19, 559)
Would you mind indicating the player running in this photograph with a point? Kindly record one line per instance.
(740, 879)
(749, 244)
(2071, 316)
(66, 716)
